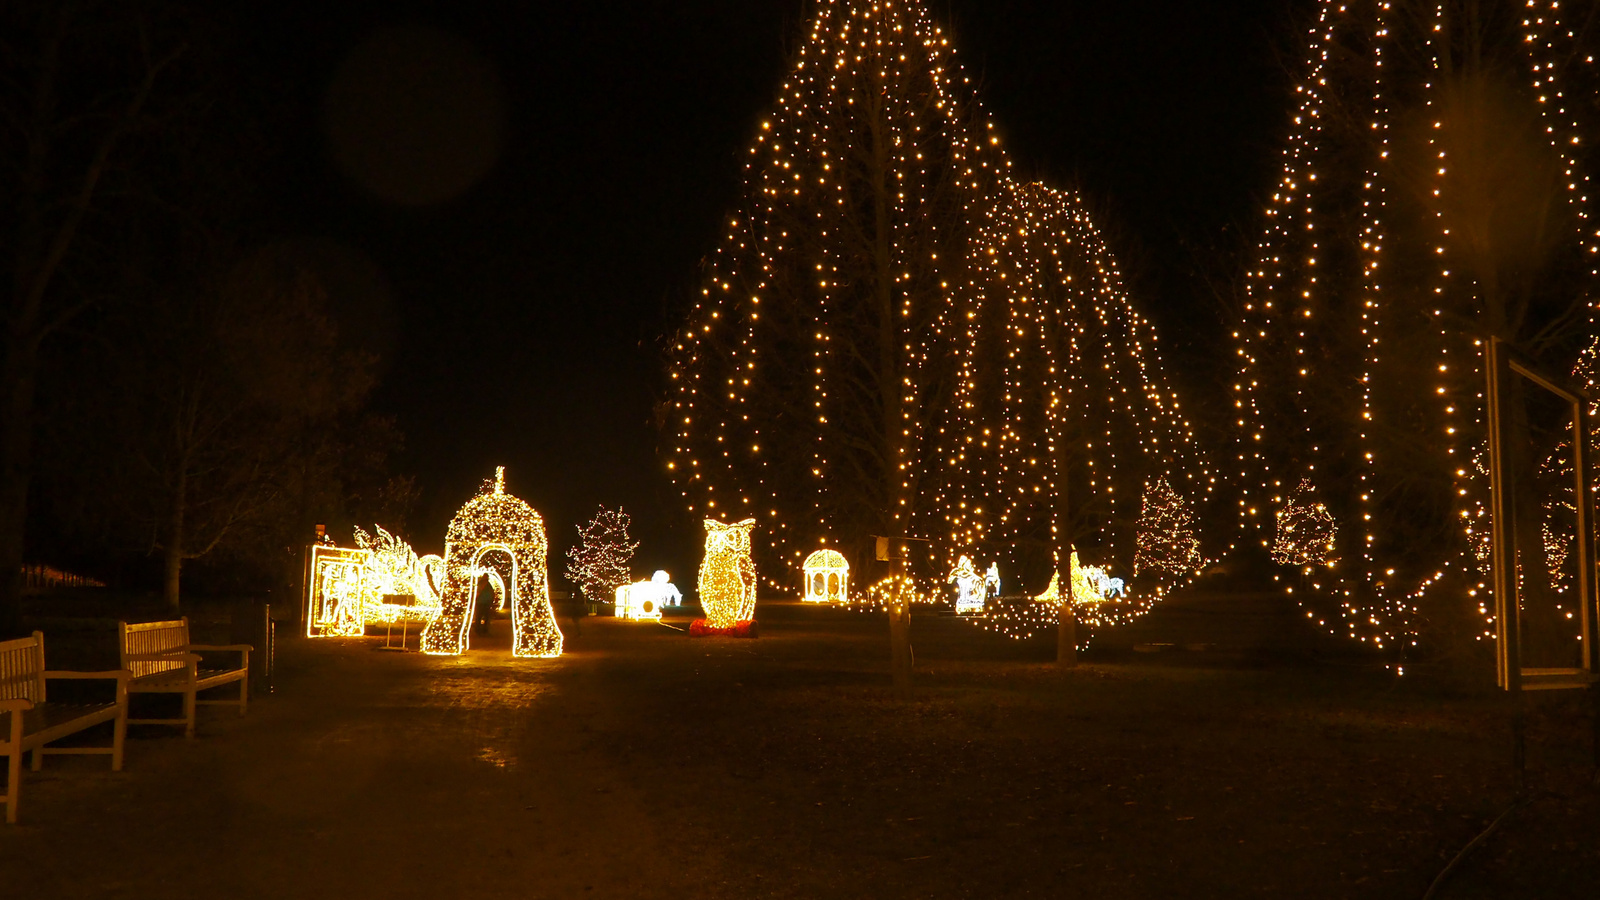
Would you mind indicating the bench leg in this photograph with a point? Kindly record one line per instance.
(188, 713)
(37, 762)
(119, 736)
(13, 783)
(244, 692)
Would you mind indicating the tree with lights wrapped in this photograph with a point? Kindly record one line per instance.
(599, 564)
(1432, 195)
(1306, 532)
(1167, 542)
(1061, 413)
(809, 372)
(803, 379)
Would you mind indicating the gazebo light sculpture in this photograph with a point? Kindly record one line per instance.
(827, 577)
(495, 520)
(644, 600)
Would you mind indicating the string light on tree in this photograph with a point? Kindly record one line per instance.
(599, 563)
(804, 379)
(1306, 530)
(1061, 410)
(1429, 195)
(1167, 540)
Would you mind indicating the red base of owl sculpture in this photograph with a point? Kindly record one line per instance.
(701, 628)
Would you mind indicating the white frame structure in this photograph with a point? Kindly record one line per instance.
(1502, 363)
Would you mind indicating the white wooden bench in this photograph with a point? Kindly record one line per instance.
(34, 721)
(161, 660)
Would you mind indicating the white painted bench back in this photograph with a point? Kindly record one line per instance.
(154, 637)
(22, 669)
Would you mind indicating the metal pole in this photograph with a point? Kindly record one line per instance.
(1583, 497)
(1503, 554)
(1502, 546)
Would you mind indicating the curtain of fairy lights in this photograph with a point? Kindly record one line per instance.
(1432, 192)
(803, 380)
(1061, 391)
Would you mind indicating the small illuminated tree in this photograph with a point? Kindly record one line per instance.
(1167, 541)
(1306, 530)
(599, 564)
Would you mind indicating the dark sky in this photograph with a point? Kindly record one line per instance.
(517, 250)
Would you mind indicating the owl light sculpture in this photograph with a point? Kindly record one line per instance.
(727, 574)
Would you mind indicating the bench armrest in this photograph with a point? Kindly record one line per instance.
(246, 648)
(119, 674)
(163, 657)
(15, 705)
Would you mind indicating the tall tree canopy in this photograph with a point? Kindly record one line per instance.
(805, 376)
(1433, 194)
(1062, 422)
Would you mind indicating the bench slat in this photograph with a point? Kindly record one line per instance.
(159, 656)
(22, 678)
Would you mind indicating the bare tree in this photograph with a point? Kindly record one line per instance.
(78, 83)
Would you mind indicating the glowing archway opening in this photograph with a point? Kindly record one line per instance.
(502, 572)
(495, 520)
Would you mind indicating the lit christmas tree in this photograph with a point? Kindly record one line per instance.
(1061, 410)
(599, 564)
(1433, 192)
(1167, 542)
(1306, 530)
(805, 376)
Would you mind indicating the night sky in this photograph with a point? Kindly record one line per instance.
(509, 201)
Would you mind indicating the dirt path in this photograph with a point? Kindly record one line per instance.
(365, 774)
(646, 764)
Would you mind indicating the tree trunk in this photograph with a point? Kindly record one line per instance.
(16, 451)
(172, 560)
(900, 644)
(1067, 627)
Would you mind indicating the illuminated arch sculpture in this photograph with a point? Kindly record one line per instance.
(827, 577)
(495, 520)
